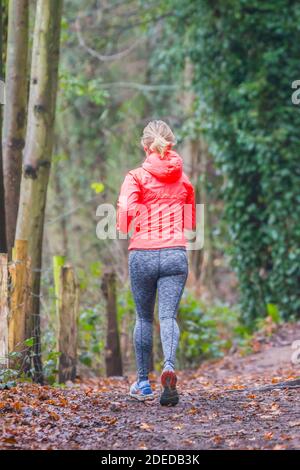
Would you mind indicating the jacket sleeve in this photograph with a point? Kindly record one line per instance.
(127, 202)
(189, 215)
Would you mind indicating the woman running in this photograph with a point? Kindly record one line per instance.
(158, 199)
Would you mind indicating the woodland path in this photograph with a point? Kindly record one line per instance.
(220, 408)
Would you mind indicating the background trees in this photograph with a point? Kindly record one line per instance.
(221, 76)
(38, 145)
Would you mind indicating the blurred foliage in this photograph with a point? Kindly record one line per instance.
(207, 332)
(92, 338)
(8, 378)
(50, 367)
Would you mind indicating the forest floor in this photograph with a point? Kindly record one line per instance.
(234, 403)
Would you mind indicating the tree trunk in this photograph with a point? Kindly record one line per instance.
(207, 270)
(190, 154)
(38, 147)
(14, 120)
(195, 155)
(113, 351)
(3, 246)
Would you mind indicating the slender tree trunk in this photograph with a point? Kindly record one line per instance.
(38, 148)
(207, 271)
(3, 246)
(190, 153)
(195, 154)
(15, 111)
(63, 222)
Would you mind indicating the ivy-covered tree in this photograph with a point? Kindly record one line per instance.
(246, 56)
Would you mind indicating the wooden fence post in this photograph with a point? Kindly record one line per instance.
(67, 324)
(113, 357)
(20, 301)
(3, 311)
(58, 262)
(28, 351)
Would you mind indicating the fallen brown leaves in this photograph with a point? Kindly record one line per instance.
(216, 411)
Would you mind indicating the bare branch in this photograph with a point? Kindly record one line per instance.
(140, 86)
(97, 55)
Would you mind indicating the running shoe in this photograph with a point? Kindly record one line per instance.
(169, 396)
(141, 391)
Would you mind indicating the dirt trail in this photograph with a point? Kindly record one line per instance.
(220, 408)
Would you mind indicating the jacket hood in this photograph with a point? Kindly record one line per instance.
(167, 169)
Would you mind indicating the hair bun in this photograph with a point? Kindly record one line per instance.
(158, 137)
(159, 144)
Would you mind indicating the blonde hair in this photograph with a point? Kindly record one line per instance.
(158, 136)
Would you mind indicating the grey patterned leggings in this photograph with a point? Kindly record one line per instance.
(164, 270)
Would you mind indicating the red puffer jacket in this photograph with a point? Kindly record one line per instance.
(159, 198)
